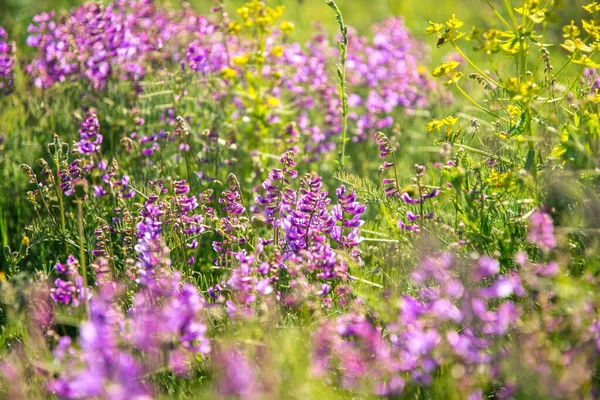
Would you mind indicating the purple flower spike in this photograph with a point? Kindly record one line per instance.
(541, 230)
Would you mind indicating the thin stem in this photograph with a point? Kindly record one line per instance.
(82, 254)
(479, 106)
(511, 13)
(341, 70)
(474, 66)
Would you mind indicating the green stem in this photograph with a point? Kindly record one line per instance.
(341, 70)
(474, 66)
(82, 254)
(479, 106)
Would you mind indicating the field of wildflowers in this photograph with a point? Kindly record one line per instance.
(263, 200)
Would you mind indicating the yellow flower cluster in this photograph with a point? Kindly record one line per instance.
(257, 14)
(447, 69)
(573, 42)
(436, 124)
(447, 32)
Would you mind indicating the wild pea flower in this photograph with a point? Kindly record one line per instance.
(96, 42)
(386, 149)
(233, 226)
(232, 201)
(389, 67)
(486, 268)
(70, 291)
(166, 319)
(236, 376)
(206, 57)
(541, 230)
(357, 347)
(248, 281)
(423, 195)
(70, 176)
(89, 133)
(278, 196)
(7, 59)
(348, 212)
(108, 370)
(448, 323)
(393, 190)
(151, 248)
(591, 78)
(310, 216)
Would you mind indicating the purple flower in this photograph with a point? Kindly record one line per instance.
(486, 268)
(89, 132)
(235, 374)
(541, 230)
(7, 59)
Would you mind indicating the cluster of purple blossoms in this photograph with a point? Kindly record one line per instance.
(108, 370)
(389, 66)
(70, 176)
(163, 330)
(153, 253)
(236, 375)
(189, 222)
(308, 241)
(310, 88)
(96, 42)
(591, 78)
(249, 282)
(348, 212)
(206, 57)
(392, 189)
(447, 323)
(89, 133)
(541, 230)
(422, 196)
(303, 215)
(7, 60)
(275, 202)
(69, 291)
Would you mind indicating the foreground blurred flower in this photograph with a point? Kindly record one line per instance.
(541, 230)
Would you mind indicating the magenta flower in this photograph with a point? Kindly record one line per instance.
(541, 230)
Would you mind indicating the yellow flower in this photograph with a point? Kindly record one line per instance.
(591, 28)
(240, 59)
(435, 125)
(228, 73)
(514, 112)
(588, 62)
(434, 27)
(273, 101)
(592, 7)
(286, 27)
(243, 12)
(577, 44)
(445, 68)
(450, 120)
(522, 91)
(571, 30)
(454, 78)
(454, 23)
(234, 27)
(595, 98)
(277, 51)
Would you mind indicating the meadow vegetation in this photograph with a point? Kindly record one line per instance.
(300, 199)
